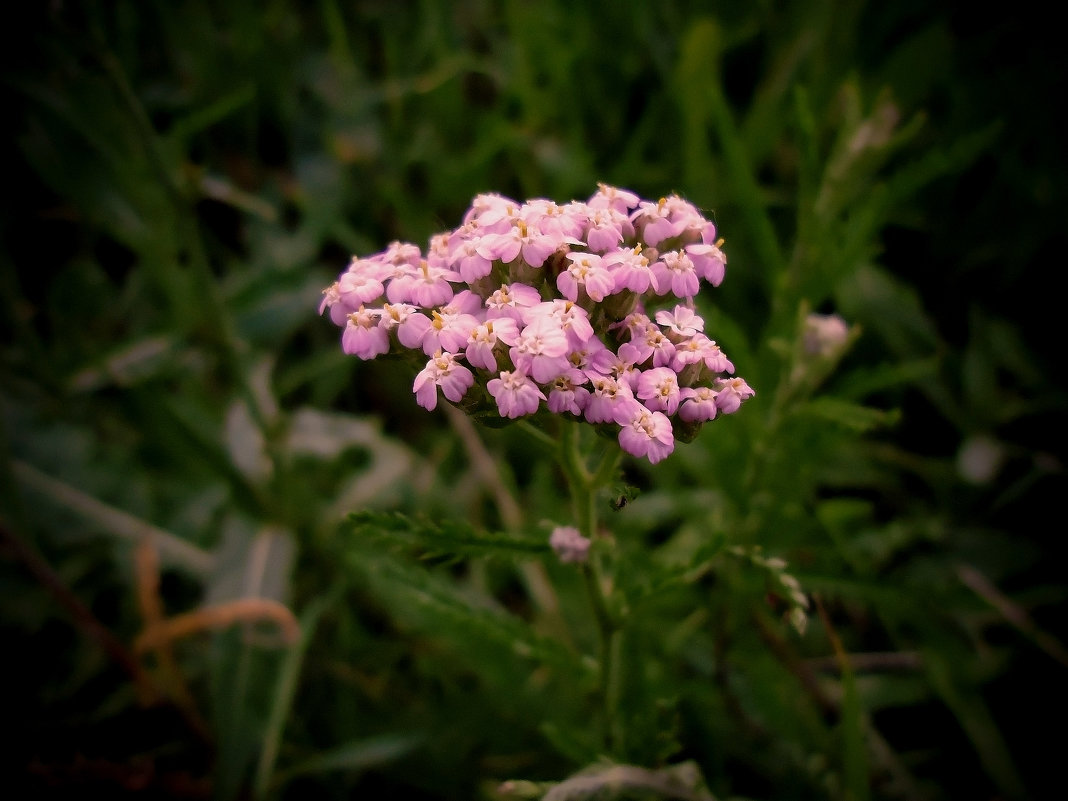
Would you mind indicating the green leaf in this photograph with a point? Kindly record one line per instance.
(118, 523)
(851, 415)
(203, 118)
(358, 755)
(975, 717)
(853, 730)
(244, 673)
(444, 538)
(892, 308)
(469, 620)
(861, 382)
(285, 690)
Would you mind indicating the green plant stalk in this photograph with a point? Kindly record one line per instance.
(583, 485)
(216, 317)
(285, 691)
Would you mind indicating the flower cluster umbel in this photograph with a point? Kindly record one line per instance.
(584, 310)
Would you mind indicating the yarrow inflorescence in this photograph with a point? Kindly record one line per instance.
(584, 310)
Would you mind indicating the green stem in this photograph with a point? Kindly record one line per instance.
(608, 631)
(583, 485)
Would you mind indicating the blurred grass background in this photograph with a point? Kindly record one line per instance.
(181, 434)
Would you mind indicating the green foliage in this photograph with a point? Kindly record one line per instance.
(450, 539)
(847, 590)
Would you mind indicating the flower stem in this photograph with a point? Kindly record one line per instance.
(583, 485)
(608, 631)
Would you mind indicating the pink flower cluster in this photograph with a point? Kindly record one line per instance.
(584, 310)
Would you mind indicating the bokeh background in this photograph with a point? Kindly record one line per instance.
(181, 434)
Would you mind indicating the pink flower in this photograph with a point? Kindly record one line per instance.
(668, 218)
(676, 273)
(491, 210)
(582, 358)
(450, 330)
(512, 300)
(534, 246)
(714, 357)
(586, 272)
(472, 260)
(730, 393)
(516, 394)
(398, 282)
(689, 351)
(399, 253)
(631, 270)
(484, 339)
(464, 302)
(635, 325)
(652, 222)
(441, 371)
(608, 399)
(708, 235)
(698, 404)
(824, 334)
(607, 228)
(569, 327)
(682, 321)
(622, 365)
(394, 314)
(646, 433)
(425, 286)
(685, 215)
(562, 223)
(659, 388)
(363, 336)
(709, 261)
(609, 197)
(569, 544)
(413, 328)
(567, 393)
(360, 284)
(332, 300)
(446, 330)
(699, 348)
(440, 251)
(653, 342)
(541, 350)
(570, 317)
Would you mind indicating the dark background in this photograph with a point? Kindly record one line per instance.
(191, 175)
